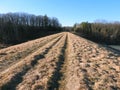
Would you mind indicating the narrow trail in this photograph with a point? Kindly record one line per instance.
(53, 83)
(89, 67)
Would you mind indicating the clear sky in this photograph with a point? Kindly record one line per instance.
(68, 12)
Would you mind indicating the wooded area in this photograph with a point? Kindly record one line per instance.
(105, 33)
(19, 27)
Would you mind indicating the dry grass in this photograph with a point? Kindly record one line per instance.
(90, 66)
(13, 54)
(23, 65)
(62, 61)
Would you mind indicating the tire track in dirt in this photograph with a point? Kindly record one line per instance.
(17, 78)
(69, 55)
(6, 62)
(53, 83)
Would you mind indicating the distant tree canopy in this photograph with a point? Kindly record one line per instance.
(19, 27)
(107, 33)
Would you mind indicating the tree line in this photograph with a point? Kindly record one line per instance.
(20, 27)
(105, 33)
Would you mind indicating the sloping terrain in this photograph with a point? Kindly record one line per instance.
(61, 61)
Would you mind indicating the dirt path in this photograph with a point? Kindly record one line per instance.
(62, 61)
(90, 67)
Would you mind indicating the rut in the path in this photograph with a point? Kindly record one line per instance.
(53, 83)
(15, 80)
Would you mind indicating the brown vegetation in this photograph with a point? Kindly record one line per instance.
(61, 61)
(104, 33)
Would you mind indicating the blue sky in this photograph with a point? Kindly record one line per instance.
(68, 12)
